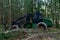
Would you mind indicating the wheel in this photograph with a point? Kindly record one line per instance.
(14, 28)
(42, 26)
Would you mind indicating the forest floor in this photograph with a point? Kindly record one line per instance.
(37, 34)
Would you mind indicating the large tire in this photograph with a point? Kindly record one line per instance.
(14, 28)
(43, 25)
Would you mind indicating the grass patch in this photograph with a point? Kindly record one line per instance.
(53, 30)
(6, 36)
(2, 28)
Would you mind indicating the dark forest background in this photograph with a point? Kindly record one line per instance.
(11, 10)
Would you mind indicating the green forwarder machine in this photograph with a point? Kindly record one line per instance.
(33, 21)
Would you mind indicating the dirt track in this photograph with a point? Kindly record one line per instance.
(35, 34)
(43, 36)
